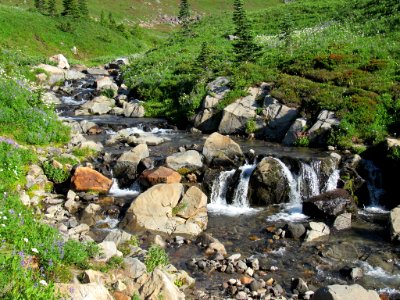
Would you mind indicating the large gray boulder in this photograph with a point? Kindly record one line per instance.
(106, 83)
(329, 205)
(268, 184)
(133, 110)
(280, 117)
(161, 209)
(126, 166)
(291, 136)
(220, 149)
(190, 160)
(395, 224)
(345, 292)
(316, 231)
(98, 106)
(319, 131)
(238, 114)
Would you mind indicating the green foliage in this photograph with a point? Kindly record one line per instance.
(70, 8)
(109, 93)
(251, 126)
(125, 247)
(179, 282)
(55, 174)
(84, 153)
(13, 160)
(302, 140)
(51, 8)
(180, 207)
(184, 17)
(83, 8)
(156, 256)
(136, 297)
(394, 153)
(79, 254)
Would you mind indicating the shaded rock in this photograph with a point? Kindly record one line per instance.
(268, 184)
(133, 267)
(299, 125)
(299, 285)
(91, 276)
(207, 120)
(218, 148)
(295, 230)
(127, 163)
(90, 291)
(158, 285)
(318, 133)
(342, 221)
(316, 231)
(91, 214)
(86, 179)
(190, 160)
(345, 251)
(192, 202)
(345, 292)
(280, 117)
(329, 204)
(213, 245)
(159, 175)
(60, 60)
(118, 237)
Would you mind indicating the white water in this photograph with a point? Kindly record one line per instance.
(218, 203)
(379, 273)
(374, 184)
(294, 195)
(332, 181)
(72, 101)
(307, 181)
(116, 191)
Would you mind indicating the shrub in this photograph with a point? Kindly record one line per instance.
(156, 256)
(251, 126)
(56, 174)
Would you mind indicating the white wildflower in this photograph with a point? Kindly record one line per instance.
(43, 282)
(26, 240)
(35, 250)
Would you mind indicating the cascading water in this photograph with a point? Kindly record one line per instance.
(218, 203)
(374, 185)
(308, 181)
(116, 191)
(332, 181)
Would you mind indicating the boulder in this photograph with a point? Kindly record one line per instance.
(319, 131)
(395, 224)
(91, 276)
(90, 291)
(91, 214)
(268, 184)
(345, 292)
(207, 120)
(53, 74)
(148, 139)
(220, 149)
(236, 115)
(190, 160)
(280, 117)
(108, 249)
(316, 231)
(126, 166)
(118, 237)
(329, 204)
(74, 75)
(98, 106)
(86, 179)
(153, 209)
(60, 60)
(133, 110)
(295, 230)
(216, 90)
(133, 267)
(299, 125)
(192, 202)
(97, 72)
(213, 245)
(160, 285)
(342, 221)
(106, 83)
(50, 98)
(159, 175)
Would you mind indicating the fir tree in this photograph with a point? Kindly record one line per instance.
(39, 5)
(245, 48)
(204, 60)
(83, 8)
(70, 8)
(184, 16)
(51, 8)
(111, 21)
(103, 20)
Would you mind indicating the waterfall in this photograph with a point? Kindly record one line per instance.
(240, 195)
(294, 195)
(374, 185)
(116, 191)
(240, 204)
(331, 183)
(308, 180)
(220, 188)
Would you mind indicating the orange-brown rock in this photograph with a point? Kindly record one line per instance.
(86, 179)
(246, 280)
(159, 175)
(121, 296)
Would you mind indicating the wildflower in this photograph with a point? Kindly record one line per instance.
(26, 240)
(43, 282)
(35, 250)
(4, 217)
(3, 225)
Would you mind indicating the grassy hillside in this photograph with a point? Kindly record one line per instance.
(38, 35)
(146, 10)
(335, 55)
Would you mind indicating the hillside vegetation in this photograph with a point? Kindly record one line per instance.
(336, 55)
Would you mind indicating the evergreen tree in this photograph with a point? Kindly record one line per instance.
(70, 8)
(39, 5)
(103, 20)
(245, 48)
(83, 8)
(184, 16)
(51, 8)
(111, 21)
(204, 60)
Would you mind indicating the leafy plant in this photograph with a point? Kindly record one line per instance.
(55, 174)
(156, 256)
(251, 126)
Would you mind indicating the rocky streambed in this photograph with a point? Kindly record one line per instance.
(248, 219)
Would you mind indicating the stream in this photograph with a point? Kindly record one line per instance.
(248, 230)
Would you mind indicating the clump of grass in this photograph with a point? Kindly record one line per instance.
(156, 256)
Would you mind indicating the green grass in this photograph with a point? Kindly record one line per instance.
(156, 256)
